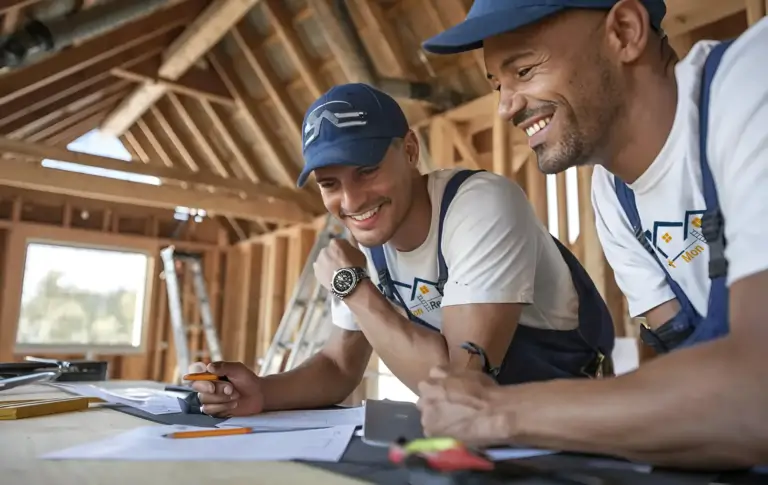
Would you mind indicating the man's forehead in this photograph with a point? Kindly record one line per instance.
(558, 30)
(339, 171)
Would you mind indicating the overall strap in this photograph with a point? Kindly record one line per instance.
(451, 188)
(388, 286)
(713, 226)
(380, 263)
(627, 200)
(716, 323)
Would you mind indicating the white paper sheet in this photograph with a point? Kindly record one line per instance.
(153, 401)
(301, 419)
(148, 443)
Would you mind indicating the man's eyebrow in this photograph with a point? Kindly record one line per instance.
(516, 56)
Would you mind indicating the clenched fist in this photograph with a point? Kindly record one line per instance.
(339, 253)
(460, 405)
(241, 396)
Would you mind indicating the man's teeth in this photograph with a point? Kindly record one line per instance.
(536, 127)
(365, 215)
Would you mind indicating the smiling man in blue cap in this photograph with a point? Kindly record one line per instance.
(679, 189)
(453, 267)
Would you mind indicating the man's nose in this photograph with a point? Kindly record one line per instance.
(353, 199)
(510, 103)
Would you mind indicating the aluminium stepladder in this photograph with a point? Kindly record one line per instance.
(305, 325)
(181, 329)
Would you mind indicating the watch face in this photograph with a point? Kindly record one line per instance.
(344, 280)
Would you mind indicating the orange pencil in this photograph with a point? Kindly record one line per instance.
(204, 376)
(205, 433)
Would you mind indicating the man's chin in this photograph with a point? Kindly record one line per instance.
(551, 164)
(369, 238)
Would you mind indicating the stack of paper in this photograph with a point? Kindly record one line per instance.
(153, 401)
(150, 443)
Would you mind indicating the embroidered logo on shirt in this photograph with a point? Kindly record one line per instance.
(420, 297)
(678, 242)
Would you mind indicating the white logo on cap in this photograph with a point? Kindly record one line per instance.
(339, 119)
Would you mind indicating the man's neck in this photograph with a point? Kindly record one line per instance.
(645, 130)
(415, 227)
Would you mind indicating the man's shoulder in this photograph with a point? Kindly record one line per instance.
(747, 48)
(480, 187)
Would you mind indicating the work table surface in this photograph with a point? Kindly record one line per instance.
(23, 441)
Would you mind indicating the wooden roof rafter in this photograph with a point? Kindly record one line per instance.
(205, 32)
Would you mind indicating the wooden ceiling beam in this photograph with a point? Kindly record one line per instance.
(134, 156)
(68, 104)
(227, 222)
(76, 117)
(74, 131)
(68, 61)
(16, 173)
(373, 15)
(249, 46)
(44, 96)
(196, 83)
(205, 32)
(282, 23)
(226, 133)
(454, 11)
(133, 142)
(339, 42)
(277, 156)
(209, 154)
(183, 177)
(152, 139)
(192, 122)
(181, 148)
(375, 18)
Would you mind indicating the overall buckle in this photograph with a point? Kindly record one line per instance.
(599, 367)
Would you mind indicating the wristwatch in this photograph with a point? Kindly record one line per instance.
(345, 280)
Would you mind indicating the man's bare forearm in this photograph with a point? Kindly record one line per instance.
(705, 407)
(408, 350)
(315, 383)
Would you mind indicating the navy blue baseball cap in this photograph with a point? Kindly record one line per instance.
(488, 18)
(351, 124)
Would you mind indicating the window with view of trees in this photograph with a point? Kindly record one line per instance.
(82, 298)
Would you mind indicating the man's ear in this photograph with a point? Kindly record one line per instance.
(628, 27)
(411, 147)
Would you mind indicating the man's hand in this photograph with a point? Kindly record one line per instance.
(459, 405)
(339, 253)
(241, 396)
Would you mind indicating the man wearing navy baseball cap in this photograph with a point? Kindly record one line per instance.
(450, 265)
(680, 156)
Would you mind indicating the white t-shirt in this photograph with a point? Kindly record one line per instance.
(669, 194)
(496, 251)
